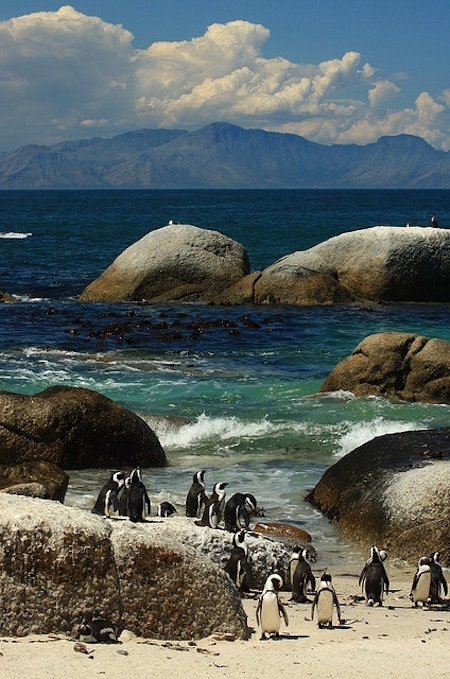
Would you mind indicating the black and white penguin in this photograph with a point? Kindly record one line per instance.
(434, 221)
(123, 497)
(293, 561)
(196, 498)
(238, 510)
(237, 566)
(212, 514)
(438, 581)
(270, 610)
(139, 506)
(98, 630)
(324, 602)
(166, 509)
(373, 579)
(420, 590)
(103, 503)
(302, 577)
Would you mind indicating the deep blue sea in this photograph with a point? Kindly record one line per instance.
(243, 380)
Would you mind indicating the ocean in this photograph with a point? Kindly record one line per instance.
(232, 390)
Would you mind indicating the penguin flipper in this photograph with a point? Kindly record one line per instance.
(444, 585)
(258, 611)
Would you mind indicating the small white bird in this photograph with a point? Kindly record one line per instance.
(270, 610)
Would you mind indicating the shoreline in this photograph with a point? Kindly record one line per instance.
(393, 639)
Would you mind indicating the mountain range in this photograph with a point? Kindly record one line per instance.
(225, 156)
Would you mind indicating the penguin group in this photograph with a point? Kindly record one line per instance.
(429, 581)
(125, 495)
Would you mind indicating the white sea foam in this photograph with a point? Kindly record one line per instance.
(14, 235)
(360, 432)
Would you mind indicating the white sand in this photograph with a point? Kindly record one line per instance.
(394, 640)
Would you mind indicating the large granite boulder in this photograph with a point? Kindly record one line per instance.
(59, 564)
(75, 429)
(382, 263)
(35, 479)
(179, 262)
(396, 365)
(393, 492)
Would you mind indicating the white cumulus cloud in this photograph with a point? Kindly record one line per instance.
(66, 75)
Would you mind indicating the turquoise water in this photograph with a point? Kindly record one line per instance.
(247, 386)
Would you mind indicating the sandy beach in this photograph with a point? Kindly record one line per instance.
(394, 640)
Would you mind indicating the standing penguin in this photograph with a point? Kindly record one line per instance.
(438, 581)
(238, 510)
(324, 602)
(212, 514)
(237, 566)
(420, 590)
(270, 609)
(104, 501)
(302, 577)
(196, 498)
(373, 578)
(138, 500)
(293, 561)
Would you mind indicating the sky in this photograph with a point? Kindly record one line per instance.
(333, 71)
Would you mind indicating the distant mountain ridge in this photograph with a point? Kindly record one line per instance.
(222, 155)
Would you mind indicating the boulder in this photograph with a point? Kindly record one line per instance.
(382, 263)
(393, 492)
(396, 365)
(35, 479)
(75, 428)
(67, 563)
(179, 262)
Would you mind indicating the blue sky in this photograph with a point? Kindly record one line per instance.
(334, 71)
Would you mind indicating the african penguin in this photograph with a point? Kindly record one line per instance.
(270, 609)
(238, 510)
(438, 581)
(212, 514)
(293, 561)
(138, 500)
(373, 578)
(420, 589)
(237, 566)
(98, 630)
(114, 483)
(124, 497)
(196, 498)
(324, 602)
(302, 577)
(166, 509)
(434, 221)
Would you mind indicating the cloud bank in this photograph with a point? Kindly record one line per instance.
(65, 75)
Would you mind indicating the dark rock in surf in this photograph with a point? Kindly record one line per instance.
(395, 365)
(75, 428)
(394, 492)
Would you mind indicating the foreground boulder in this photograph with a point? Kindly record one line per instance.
(178, 262)
(382, 263)
(393, 492)
(66, 563)
(396, 365)
(75, 428)
(35, 479)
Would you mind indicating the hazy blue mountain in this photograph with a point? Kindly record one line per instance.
(221, 155)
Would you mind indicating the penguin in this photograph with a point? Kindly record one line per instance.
(302, 577)
(138, 500)
(293, 561)
(114, 483)
(98, 630)
(237, 566)
(111, 504)
(373, 578)
(166, 509)
(434, 221)
(270, 609)
(212, 514)
(324, 602)
(238, 510)
(196, 498)
(124, 497)
(438, 580)
(420, 590)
